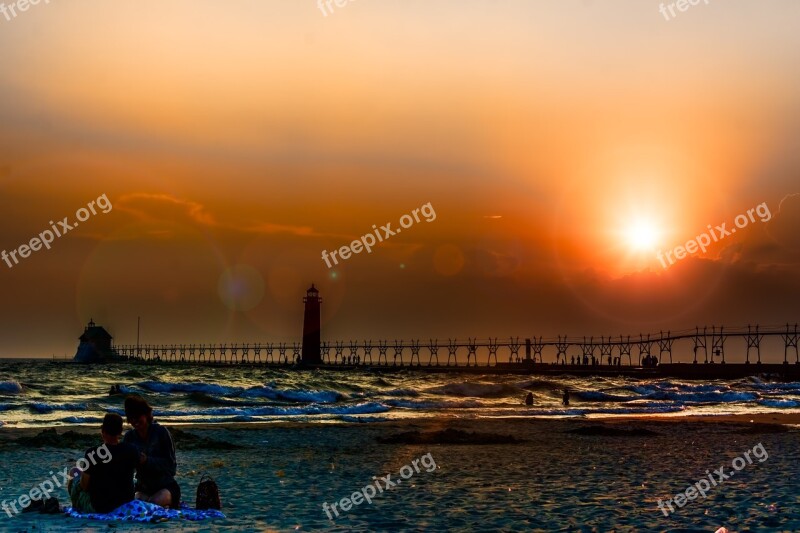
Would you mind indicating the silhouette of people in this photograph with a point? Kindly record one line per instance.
(155, 474)
(573, 360)
(529, 399)
(565, 398)
(650, 361)
(108, 483)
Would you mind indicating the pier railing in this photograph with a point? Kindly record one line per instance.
(644, 350)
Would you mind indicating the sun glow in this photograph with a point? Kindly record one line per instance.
(642, 235)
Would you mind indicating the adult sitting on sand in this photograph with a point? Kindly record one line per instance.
(107, 483)
(155, 475)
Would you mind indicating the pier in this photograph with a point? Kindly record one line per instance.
(643, 355)
(648, 355)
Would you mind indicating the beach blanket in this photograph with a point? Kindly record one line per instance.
(139, 511)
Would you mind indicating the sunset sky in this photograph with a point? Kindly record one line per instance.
(562, 143)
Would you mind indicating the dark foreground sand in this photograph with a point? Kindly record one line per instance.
(759, 418)
(515, 475)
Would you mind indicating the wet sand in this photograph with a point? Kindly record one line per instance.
(551, 475)
(756, 418)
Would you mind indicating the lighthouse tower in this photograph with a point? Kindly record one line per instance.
(311, 328)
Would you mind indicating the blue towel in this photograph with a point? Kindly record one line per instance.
(139, 511)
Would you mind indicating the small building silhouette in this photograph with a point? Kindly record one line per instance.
(311, 328)
(95, 345)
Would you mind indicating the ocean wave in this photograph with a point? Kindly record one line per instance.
(202, 398)
(540, 384)
(703, 397)
(210, 393)
(356, 409)
(298, 395)
(44, 408)
(475, 390)
(394, 393)
(690, 387)
(597, 396)
(166, 388)
(399, 392)
(782, 404)
(362, 419)
(12, 387)
(792, 388)
(243, 418)
(669, 386)
(606, 411)
(779, 393)
(81, 419)
(422, 404)
(134, 373)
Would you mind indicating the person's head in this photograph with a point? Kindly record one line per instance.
(138, 412)
(111, 428)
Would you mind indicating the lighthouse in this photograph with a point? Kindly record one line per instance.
(95, 345)
(311, 328)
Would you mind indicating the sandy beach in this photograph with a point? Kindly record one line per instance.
(400, 266)
(504, 475)
(789, 419)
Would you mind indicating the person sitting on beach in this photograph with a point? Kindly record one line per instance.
(108, 483)
(157, 465)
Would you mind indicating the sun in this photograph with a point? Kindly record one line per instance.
(642, 235)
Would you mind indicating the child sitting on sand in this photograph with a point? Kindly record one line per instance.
(106, 484)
